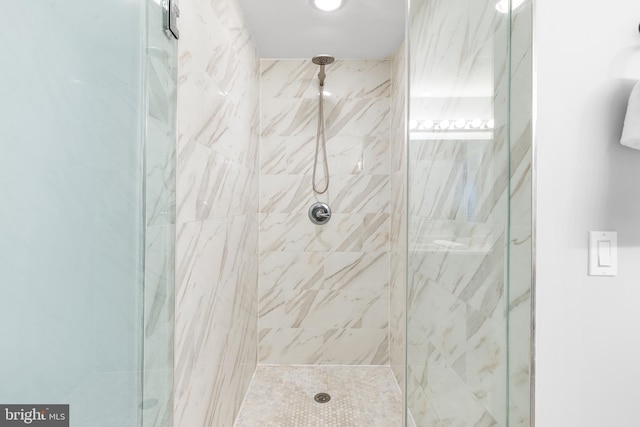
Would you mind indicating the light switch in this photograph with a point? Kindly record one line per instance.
(603, 253)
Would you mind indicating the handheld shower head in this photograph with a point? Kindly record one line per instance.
(322, 60)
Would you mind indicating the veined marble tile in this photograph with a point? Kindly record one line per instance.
(451, 399)
(300, 155)
(358, 117)
(159, 298)
(397, 315)
(443, 150)
(344, 155)
(360, 194)
(288, 79)
(346, 117)
(289, 117)
(285, 193)
(434, 31)
(217, 191)
(327, 309)
(273, 233)
(192, 161)
(213, 251)
(207, 319)
(485, 289)
(231, 16)
(199, 37)
(376, 155)
(347, 155)
(420, 407)
(212, 186)
(359, 78)
(486, 367)
(375, 234)
(189, 247)
(202, 322)
(292, 270)
(218, 114)
(202, 98)
(356, 271)
(273, 156)
(356, 346)
(360, 346)
(345, 262)
(296, 233)
(345, 78)
(342, 233)
(399, 109)
(398, 218)
(160, 176)
(289, 346)
(324, 346)
(449, 188)
(442, 317)
(238, 140)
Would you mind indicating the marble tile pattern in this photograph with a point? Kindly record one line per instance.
(324, 289)
(398, 218)
(459, 299)
(361, 396)
(217, 214)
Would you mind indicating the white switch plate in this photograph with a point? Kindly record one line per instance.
(603, 253)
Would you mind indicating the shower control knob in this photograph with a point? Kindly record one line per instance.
(319, 213)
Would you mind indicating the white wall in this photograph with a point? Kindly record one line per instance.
(588, 328)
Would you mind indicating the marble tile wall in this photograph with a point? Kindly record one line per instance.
(217, 214)
(398, 225)
(459, 194)
(324, 289)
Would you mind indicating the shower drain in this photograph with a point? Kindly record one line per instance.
(322, 397)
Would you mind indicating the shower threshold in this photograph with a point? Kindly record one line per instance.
(360, 396)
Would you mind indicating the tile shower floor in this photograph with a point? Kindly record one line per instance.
(361, 396)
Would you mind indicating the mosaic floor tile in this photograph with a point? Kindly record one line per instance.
(283, 396)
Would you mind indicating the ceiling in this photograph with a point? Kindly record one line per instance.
(360, 29)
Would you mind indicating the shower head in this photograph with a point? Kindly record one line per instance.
(323, 59)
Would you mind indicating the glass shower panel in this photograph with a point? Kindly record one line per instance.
(520, 215)
(459, 366)
(84, 293)
(160, 197)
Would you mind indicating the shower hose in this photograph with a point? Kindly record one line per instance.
(321, 139)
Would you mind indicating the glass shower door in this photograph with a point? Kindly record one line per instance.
(469, 214)
(76, 164)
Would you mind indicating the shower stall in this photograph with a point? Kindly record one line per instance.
(87, 211)
(159, 254)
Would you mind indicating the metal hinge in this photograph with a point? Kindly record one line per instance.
(171, 14)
